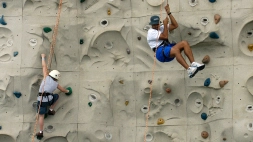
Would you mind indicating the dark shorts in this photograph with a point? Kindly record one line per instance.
(163, 53)
(44, 105)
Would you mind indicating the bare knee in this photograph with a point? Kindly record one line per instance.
(185, 43)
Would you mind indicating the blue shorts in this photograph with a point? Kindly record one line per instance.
(163, 53)
(44, 105)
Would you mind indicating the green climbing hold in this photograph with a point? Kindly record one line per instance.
(81, 41)
(15, 53)
(90, 104)
(70, 91)
(47, 29)
(214, 35)
(82, 1)
(17, 94)
(4, 4)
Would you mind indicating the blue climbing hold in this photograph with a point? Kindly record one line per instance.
(212, 1)
(204, 116)
(4, 4)
(214, 35)
(207, 82)
(17, 94)
(15, 53)
(2, 21)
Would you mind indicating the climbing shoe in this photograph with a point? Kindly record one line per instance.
(39, 135)
(51, 112)
(192, 71)
(70, 91)
(198, 65)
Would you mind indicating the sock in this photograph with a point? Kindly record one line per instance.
(41, 131)
(51, 109)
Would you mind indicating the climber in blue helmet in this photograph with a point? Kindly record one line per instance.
(46, 98)
(157, 39)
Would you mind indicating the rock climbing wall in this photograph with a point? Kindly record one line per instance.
(102, 53)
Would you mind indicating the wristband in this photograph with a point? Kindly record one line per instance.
(43, 58)
(169, 13)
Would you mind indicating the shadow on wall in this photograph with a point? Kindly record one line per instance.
(6, 138)
(56, 139)
(109, 50)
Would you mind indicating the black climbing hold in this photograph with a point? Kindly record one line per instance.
(2, 21)
(207, 82)
(82, 1)
(214, 35)
(150, 81)
(4, 4)
(0, 127)
(17, 94)
(212, 1)
(15, 53)
(90, 104)
(81, 41)
(204, 116)
(139, 38)
(128, 51)
(47, 29)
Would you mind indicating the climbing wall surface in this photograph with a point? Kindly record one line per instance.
(102, 53)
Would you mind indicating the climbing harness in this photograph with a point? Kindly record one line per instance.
(153, 70)
(49, 63)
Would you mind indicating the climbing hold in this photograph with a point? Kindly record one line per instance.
(149, 137)
(207, 82)
(214, 35)
(90, 104)
(204, 134)
(204, 21)
(126, 102)
(224, 139)
(108, 11)
(81, 41)
(70, 91)
(223, 83)
(150, 81)
(189, 33)
(15, 53)
(104, 22)
(33, 42)
(0, 127)
(2, 21)
(82, 1)
(121, 81)
(4, 4)
(144, 109)
(139, 38)
(206, 59)
(250, 47)
(204, 116)
(177, 102)
(212, 1)
(17, 94)
(168, 90)
(193, 2)
(217, 18)
(47, 29)
(160, 121)
(128, 51)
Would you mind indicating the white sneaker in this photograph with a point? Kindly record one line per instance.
(198, 65)
(192, 71)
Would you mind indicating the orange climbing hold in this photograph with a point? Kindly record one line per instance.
(206, 59)
(217, 18)
(204, 134)
(108, 11)
(250, 47)
(223, 83)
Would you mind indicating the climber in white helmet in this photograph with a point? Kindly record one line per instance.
(47, 87)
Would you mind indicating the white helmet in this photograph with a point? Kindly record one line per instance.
(55, 74)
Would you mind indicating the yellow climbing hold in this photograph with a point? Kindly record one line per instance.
(126, 102)
(109, 11)
(250, 47)
(160, 121)
(121, 81)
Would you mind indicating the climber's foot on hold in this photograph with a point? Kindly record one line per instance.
(39, 135)
(198, 65)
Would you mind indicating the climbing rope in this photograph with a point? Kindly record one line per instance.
(49, 62)
(152, 81)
